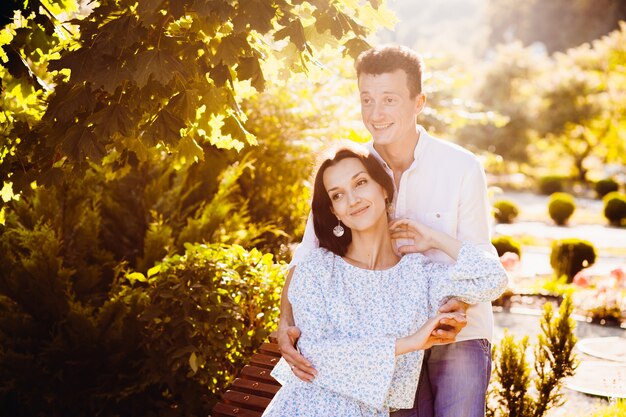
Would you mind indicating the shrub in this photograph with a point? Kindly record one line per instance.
(510, 392)
(206, 312)
(504, 244)
(505, 211)
(551, 184)
(615, 208)
(605, 186)
(561, 206)
(161, 344)
(569, 256)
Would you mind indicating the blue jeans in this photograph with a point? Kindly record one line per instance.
(453, 381)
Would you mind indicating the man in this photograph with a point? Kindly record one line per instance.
(440, 185)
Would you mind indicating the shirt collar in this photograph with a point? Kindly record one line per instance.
(424, 141)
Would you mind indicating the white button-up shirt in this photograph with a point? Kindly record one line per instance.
(444, 188)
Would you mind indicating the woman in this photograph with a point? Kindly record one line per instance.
(362, 308)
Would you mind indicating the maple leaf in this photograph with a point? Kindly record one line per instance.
(165, 128)
(68, 101)
(189, 149)
(157, 64)
(112, 119)
(295, 32)
(80, 142)
(355, 46)
(250, 69)
(231, 48)
(220, 74)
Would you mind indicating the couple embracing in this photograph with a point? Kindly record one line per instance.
(386, 310)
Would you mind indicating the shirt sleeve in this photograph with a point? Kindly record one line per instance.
(309, 242)
(477, 276)
(360, 368)
(474, 209)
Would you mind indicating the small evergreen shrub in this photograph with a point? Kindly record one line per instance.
(569, 256)
(504, 244)
(515, 390)
(551, 184)
(561, 207)
(505, 211)
(605, 186)
(615, 208)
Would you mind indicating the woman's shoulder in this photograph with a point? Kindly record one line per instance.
(412, 260)
(318, 262)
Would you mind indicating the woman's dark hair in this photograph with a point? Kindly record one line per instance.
(323, 218)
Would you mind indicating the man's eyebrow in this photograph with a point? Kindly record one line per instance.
(353, 177)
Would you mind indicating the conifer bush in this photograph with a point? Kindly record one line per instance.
(505, 211)
(561, 206)
(569, 256)
(551, 184)
(605, 186)
(615, 208)
(504, 244)
(521, 389)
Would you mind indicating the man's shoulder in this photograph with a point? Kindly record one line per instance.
(450, 149)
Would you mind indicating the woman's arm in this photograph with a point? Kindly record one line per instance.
(477, 275)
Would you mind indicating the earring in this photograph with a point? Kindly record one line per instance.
(338, 230)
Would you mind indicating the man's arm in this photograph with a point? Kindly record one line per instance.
(288, 333)
(473, 220)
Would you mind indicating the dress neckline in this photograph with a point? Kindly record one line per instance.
(358, 268)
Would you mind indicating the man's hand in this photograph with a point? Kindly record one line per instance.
(302, 368)
(448, 329)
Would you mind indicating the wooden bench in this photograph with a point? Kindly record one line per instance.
(254, 388)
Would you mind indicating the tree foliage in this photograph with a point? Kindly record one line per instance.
(558, 24)
(154, 131)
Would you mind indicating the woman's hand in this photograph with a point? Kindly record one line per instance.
(423, 237)
(429, 334)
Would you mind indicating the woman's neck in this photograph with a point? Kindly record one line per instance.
(372, 248)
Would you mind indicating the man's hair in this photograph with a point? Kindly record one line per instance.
(323, 218)
(384, 59)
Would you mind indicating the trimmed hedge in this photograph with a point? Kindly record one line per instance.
(569, 256)
(561, 207)
(505, 211)
(551, 184)
(605, 186)
(615, 208)
(504, 244)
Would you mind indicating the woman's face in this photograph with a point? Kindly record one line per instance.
(356, 198)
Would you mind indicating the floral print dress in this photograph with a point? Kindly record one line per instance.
(350, 319)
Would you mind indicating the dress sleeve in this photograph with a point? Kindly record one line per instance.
(360, 368)
(477, 276)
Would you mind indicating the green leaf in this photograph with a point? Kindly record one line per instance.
(189, 149)
(136, 276)
(250, 69)
(157, 64)
(295, 32)
(80, 142)
(154, 270)
(193, 362)
(355, 46)
(166, 128)
(112, 119)
(231, 48)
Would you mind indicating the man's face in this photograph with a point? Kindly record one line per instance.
(387, 109)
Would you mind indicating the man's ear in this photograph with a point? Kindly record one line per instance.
(420, 102)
